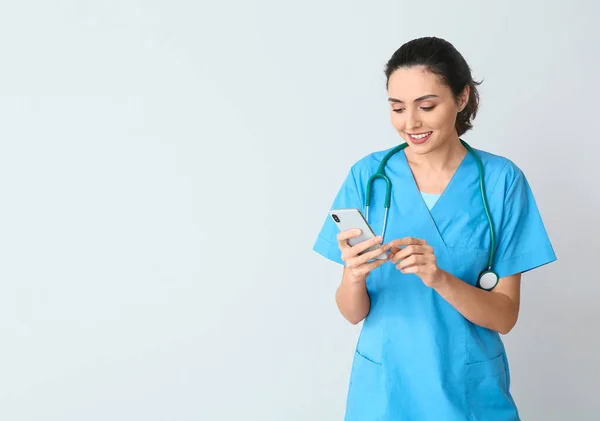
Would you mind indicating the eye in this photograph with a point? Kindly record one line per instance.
(398, 110)
(427, 108)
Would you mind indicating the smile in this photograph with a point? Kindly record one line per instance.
(419, 138)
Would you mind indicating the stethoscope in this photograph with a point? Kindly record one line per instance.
(487, 279)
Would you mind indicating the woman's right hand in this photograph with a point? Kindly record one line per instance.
(359, 267)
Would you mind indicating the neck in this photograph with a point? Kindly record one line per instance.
(445, 157)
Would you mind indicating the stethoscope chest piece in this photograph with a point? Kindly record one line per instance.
(487, 280)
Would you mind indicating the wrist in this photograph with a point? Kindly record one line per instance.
(354, 281)
(441, 280)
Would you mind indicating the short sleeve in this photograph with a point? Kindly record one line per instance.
(523, 242)
(348, 196)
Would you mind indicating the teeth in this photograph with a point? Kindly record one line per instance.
(420, 136)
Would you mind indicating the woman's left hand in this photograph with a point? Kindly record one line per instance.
(413, 255)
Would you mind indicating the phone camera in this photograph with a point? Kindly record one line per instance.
(335, 218)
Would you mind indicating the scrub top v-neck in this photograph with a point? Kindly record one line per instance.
(430, 199)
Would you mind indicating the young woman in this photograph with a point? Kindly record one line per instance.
(462, 227)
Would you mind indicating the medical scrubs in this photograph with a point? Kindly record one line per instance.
(417, 358)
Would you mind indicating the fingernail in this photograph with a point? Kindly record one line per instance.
(357, 232)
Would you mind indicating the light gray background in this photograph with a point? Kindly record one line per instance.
(166, 166)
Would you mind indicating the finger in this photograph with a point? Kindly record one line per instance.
(351, 252)
(411, 269)
(344, 236)
(407, 241)
(421, 264)
(410, 250)
(364, 258)
(369, 267)
(343, 243)
(362, 246)
(407, 251)
(414, 260)
(358, 260)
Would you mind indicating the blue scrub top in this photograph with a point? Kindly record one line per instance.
(417, 357)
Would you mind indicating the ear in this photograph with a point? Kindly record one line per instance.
(463, 98)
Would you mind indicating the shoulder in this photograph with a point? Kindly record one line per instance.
(368, 164)
(500, 169)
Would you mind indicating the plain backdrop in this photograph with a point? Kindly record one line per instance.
(165, 167)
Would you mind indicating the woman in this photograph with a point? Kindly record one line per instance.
(430, 346)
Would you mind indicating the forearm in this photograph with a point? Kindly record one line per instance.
(352, 299)
(492, 310)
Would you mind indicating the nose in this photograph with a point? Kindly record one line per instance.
(412, 121)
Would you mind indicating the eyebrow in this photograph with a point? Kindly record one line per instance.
(421, 98)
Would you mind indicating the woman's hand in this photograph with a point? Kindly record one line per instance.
(359, 267)
(413, 255)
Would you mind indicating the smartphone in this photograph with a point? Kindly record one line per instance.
(348, 219)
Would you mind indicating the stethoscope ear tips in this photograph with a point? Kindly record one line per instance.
(487, 280)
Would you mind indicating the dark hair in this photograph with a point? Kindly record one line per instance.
(440, 58)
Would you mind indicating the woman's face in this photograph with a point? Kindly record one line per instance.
(423, 110)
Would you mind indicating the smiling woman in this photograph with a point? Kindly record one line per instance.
(430, 346)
